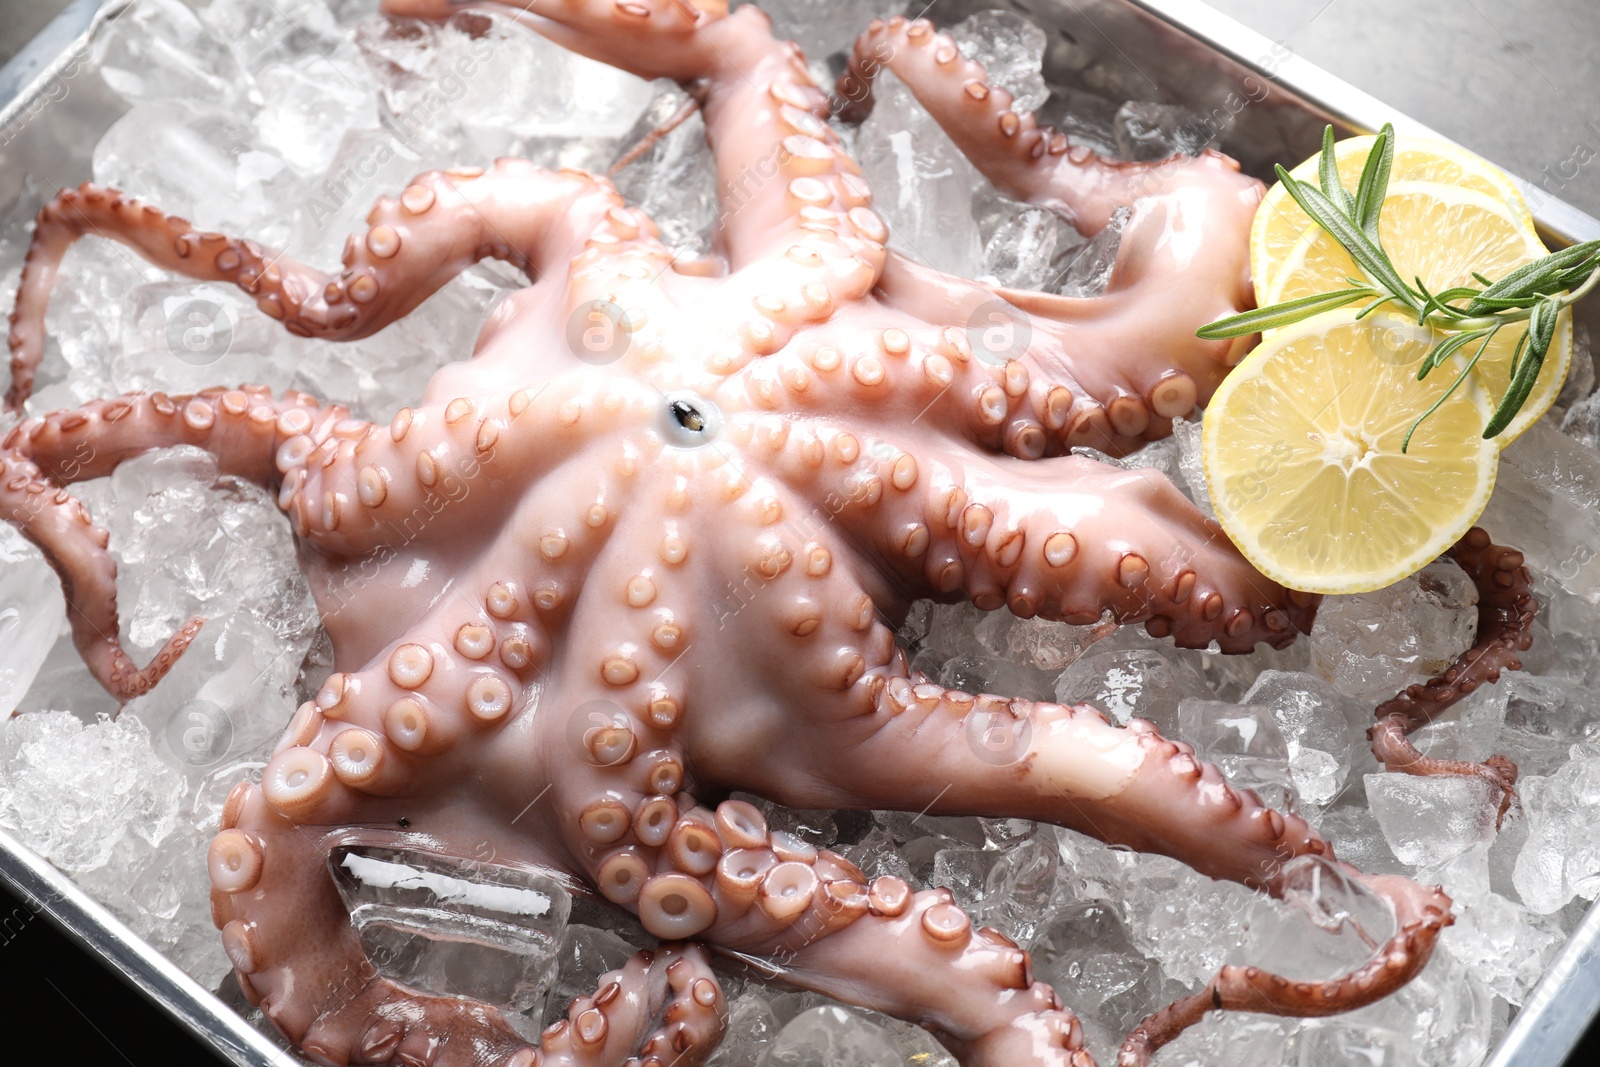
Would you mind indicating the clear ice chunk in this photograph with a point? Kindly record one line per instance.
(922, 183)
(32, 616)
(1133, 677)
(1507, 946)
(1011, 49)
(823, 27)
(834, 1037)
(1089, 271)
(1145, 130)
(1428, 820)
(455, 927)
(72, 790)
(307, 108)
(1244, 741)
(1548, 474)
(1561, 858)
(674, 182)
(1322, 729)
(202, 163)
(161, 48)
(1192, 479)
(1030, 249)
(1372, 645)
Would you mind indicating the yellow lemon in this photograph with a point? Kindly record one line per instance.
(1302, 453)
(1443, 234)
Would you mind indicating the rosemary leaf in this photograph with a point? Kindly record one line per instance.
(1447, 348)
(1284, 314)
(1374, 184)
(1372, 262)
(1328, 172)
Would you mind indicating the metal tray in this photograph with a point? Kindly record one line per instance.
(1272, 104)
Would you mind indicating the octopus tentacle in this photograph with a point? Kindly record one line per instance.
(1035, 538)
(75, 548)
(674, 984)
(918, 956)
(1183, 259)
(241, 427)
(1421, 913)
(442, 223)
(1506, 612)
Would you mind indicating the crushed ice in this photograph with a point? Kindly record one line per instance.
(284, 119)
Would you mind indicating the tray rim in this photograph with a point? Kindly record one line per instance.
(1543, 1033)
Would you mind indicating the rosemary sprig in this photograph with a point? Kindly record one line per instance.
(1534, 293)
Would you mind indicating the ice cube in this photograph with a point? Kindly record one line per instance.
(1089, 271)
(921, 181)
(585, 953)
(1244, 742)
(72, 790)
(1011, 49)
(452, 926)
(1326, 924)
(752, 1026)
(1020, 887)
(1186, 921)
(1561, 858)
(32, 616)
(1130, 676)
(674, 182)
(160, 48)
(823, 27)
(1322, 729)
(180, 336)
(308, 106)
(832, 1036)
(1372, 645)
(1030, 249)
(1548, 474)
(202, 163)
(1150, 131)
(1507, 946)
(263, 32)
(1193, 479)
(365, 165)
(1540, 719)
(1085, 954)
(1428, 820)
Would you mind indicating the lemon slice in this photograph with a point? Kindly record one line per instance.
(1301, 447)
(1279, 222)
(1442, 234)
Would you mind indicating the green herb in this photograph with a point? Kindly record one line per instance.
(1535, 292)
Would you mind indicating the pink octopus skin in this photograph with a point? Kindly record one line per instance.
(712, 529)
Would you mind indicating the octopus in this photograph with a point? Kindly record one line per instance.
(648, 547)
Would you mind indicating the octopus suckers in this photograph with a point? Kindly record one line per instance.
(372, 488)
(410, 666)
(1060, 548)
(405, 723)
(619, 670)
(357, 756)
(552, 546)
(234, 861)
(640, 591)
(474, 641)
(488, 697)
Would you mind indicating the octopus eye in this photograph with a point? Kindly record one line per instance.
(691, 419)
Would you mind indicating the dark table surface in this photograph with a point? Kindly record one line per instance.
(1516, 80)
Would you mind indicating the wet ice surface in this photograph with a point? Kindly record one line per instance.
(284, 119)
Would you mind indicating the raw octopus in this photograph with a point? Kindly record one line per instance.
(804, 418)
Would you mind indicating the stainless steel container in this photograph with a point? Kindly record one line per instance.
(1271, 105)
